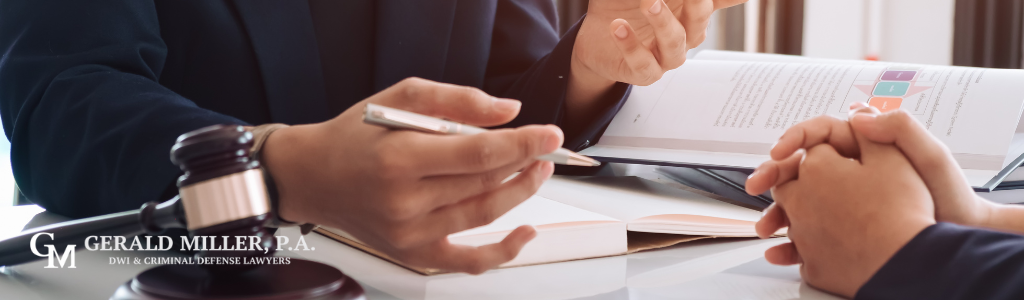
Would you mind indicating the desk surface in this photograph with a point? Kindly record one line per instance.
(715, 269)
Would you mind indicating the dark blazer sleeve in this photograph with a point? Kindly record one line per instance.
(530, 63)
(947, 261)
(90, 126)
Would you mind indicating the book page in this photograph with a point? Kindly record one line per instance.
(743, 107)
(632, 198)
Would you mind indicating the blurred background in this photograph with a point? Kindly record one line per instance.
(981, 33)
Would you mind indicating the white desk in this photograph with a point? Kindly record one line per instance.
(722, 269)
(717, 269)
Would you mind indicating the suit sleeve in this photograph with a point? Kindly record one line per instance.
(530, 63)
(947, 261)
(89, 124)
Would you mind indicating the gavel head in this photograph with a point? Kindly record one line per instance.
(224, 196)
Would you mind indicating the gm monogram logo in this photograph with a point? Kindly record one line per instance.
(52, 252)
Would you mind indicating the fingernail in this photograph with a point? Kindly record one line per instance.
(507, 105)
(552, 142)
(864, 119)
(528, 237)
(756, 171)
(656, 8)
(858, 108)
(621, 32)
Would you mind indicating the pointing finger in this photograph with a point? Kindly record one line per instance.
(405, 154)
(457, 103)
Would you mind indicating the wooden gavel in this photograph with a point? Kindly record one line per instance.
(221, 194)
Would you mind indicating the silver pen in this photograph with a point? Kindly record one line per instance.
(399, 119)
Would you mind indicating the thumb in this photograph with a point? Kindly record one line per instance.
(448, 101)
(930, 158)
(925, 152)
(872, 152)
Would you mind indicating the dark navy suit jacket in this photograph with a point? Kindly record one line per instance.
(948, 261)
(94, 93)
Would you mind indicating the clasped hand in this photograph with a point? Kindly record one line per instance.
(853, 193)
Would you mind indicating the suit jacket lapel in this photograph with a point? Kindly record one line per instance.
(472, 31)
(283, 37)
(412, 39)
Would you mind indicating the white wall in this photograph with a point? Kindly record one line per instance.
(913, 31)
(918, 31)
(834, 29)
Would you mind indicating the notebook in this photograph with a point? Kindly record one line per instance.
(724, 110)
(588, 217)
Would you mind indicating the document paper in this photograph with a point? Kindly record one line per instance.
(725, 110)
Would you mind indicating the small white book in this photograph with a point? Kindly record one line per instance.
(724, 110)
(578, 218)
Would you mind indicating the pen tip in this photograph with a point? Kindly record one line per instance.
(576, 159)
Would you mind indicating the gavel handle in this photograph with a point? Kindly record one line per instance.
(151, 218)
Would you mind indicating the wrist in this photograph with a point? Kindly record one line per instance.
(278, 159)
(584, 91)
(983, 214)
(1004, 217)
(585, 84)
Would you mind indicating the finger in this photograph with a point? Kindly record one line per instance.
(930, 158)
(696, 16)
(641, 68)
(720, 4)
(822, 129)
(416, 154)
(448, 189)
(474, 260)
(669, 34)
(858, 105)
(878, 153)
(774, 219)
(484, 209)
(773, 173)
(824, 156)
(819, 159)
(457, 103)
(783, 255)
(926, 152)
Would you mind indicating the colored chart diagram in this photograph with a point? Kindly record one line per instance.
(892, 87)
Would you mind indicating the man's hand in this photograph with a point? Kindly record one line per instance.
(637, 41)
(633, 41)
(846, 217)
(404, 192)
(955, 200)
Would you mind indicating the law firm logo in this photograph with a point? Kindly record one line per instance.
(52, 252)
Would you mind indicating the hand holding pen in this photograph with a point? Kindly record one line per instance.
(403, 192)
(400, 119)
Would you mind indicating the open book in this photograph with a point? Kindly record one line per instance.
(724, 110)
(600, 216)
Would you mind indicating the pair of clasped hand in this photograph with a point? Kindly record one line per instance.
(852, 193)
